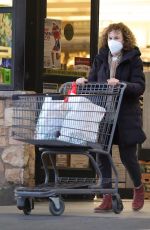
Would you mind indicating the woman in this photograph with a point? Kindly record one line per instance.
(119, 60)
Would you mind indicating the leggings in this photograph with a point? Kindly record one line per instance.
(129, 159)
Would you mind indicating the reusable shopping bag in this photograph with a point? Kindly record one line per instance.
(52, 115)
(81, 124)
(50, 119)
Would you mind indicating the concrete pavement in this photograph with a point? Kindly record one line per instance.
(77, 215)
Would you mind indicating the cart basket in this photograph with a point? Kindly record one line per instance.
(87, 119)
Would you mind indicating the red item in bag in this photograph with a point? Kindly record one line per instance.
(72, 91)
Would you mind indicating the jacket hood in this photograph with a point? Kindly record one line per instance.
(131, 53)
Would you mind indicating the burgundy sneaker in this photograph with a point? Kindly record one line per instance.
(106, 204)
(138, 198)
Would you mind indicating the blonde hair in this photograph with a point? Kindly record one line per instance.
(128, 36)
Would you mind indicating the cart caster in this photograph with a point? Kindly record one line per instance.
(56, 206)
(117, 204)
(25, 204)
(28, 206)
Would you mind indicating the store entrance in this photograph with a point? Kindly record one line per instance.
(69, 36)
(67, 56)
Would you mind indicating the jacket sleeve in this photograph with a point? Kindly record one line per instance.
(136, 85)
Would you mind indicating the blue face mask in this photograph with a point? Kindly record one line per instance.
(115, 46)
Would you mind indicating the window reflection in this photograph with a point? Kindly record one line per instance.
(74, 18)
(6, 3)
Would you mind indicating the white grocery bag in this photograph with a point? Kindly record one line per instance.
(81, 123)
(50, 119)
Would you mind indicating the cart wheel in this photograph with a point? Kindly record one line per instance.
(117, 204)
(54, 210)
(27, 207)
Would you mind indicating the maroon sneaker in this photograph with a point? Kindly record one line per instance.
(138, 198)
(106, 204)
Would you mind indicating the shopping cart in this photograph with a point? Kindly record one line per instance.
(82, 124)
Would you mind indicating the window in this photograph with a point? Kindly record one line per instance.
(69, 50)
(5, 48)
(6, 3)
(5, 43)
(135, 14)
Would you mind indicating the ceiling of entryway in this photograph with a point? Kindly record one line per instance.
(109, 9)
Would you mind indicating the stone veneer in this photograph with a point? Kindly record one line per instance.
(17, 159)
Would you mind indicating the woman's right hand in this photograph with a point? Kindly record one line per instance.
(81, 81)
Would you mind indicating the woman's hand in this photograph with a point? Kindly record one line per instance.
(81, 81)
(113, 81)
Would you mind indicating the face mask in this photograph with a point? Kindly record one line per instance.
(115, 46)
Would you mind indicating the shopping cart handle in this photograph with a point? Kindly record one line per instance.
(64, 88)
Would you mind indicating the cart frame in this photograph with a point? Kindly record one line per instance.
(50, 148)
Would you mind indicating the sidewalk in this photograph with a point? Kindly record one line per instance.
(77, 215)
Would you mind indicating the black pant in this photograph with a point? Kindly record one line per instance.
(129, 159)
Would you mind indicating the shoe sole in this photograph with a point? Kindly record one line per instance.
(137, 209)
(103, 211)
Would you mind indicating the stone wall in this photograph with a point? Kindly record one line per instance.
(17, 159)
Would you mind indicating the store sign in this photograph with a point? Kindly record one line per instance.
(82, 64)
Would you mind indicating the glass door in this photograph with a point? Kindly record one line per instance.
(67, 38)
(135, 14)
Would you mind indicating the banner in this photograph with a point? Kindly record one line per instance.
(52, 43)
